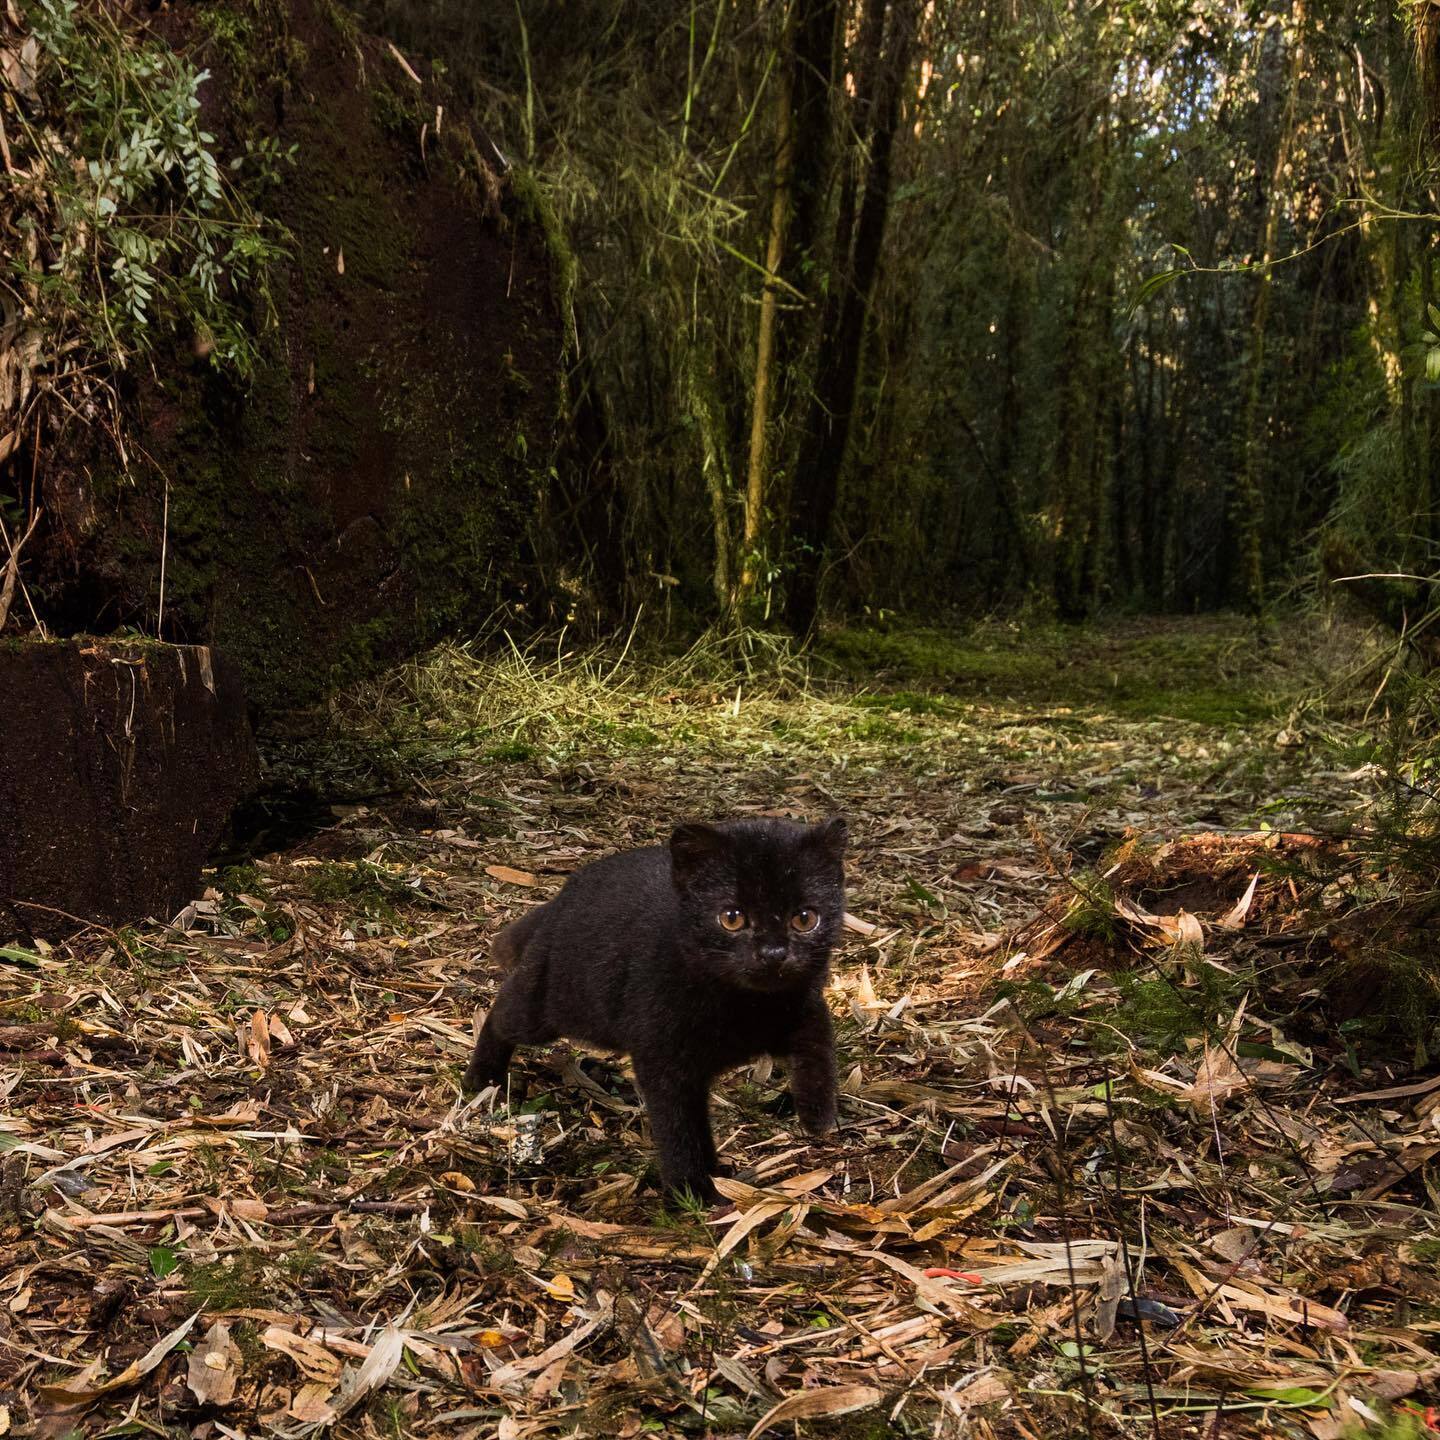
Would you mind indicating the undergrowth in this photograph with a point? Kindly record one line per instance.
(554, 700)
(1385, 895)
(560, 708)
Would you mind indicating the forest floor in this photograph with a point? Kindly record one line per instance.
(1112, 1161)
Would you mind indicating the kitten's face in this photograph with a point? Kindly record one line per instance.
(763, 900)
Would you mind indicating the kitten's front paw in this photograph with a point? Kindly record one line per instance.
(817, 1119)
(479, 1077)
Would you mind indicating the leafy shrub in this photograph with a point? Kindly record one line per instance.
(127, 228)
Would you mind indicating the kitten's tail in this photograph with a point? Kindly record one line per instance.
(508, 947)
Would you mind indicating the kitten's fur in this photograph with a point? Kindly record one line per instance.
(632, 956)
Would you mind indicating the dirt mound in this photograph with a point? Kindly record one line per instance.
(119, 766)
(369, 490)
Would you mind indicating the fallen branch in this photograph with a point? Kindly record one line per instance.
(12, 566)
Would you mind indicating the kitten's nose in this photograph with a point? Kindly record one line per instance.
(770, 953)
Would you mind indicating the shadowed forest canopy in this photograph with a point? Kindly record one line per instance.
(885, 304)
(968, 303)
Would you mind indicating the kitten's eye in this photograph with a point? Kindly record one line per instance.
(804, 921)
(731, 920)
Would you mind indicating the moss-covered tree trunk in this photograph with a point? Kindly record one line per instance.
(757, 470)
(802, 173)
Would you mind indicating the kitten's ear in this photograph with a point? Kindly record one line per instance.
(829, 837)
(694, 846)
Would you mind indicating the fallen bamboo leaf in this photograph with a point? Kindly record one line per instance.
(255, 1038)
(504, 1204)
(313, 1359)
(1234, 918)
(747, 1221)
(1217, 1077)
(72, 1394)
(510, 875)
(214, 1368)
(934, 1291)
(373, 1372)
(812, 1404)
(1294, 1309)
(1399, 1092)
(405, 65)
(533, 1364)
(311, 1404)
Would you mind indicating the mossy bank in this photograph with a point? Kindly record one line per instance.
(369, 488)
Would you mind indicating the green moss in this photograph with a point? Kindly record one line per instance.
(878, 727)
(238, 1282)
(1092, 916)
(511, 751)
(231, 32)
(1116, 670)
(246, 1278)
(241, 880)
(1035, 1000)
(254, 1353)
(908, 702)
(534, 205)
(364, 887)
(1158, 1012)
(397, 115)
(342, 18)
(488, 1256)
(273, 486)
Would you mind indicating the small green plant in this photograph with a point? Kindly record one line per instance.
(369, 890)
(510, 752)
(229, 1284)
(489, 1256)
(241, 880)
(1092, 913)
(1161, 1012)
(265, 161)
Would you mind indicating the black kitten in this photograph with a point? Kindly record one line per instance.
(692, 959)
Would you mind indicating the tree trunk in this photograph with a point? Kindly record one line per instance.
(812, 108)
(714, 443)
(831, 411)
(802, 173)
(1247, 506)
(756, 474)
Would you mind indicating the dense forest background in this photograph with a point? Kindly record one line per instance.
(961, 305)
(859, 304)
